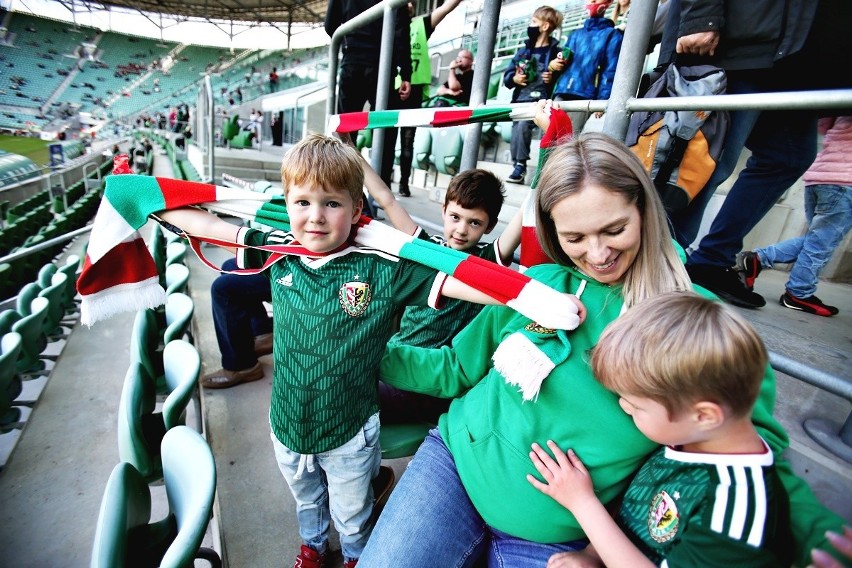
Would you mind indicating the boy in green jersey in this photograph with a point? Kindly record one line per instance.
(471, 206)
(334, 306)
(688, 371)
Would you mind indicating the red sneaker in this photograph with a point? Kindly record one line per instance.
(811, 304)
(350, 563)
(309, 558)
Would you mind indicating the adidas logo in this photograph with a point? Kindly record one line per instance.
(286, 281)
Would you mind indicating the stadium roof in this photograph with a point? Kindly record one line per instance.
(260, 11)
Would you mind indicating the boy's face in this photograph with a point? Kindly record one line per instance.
(653, 420)
(543, 26)
(321, 219)
(464, 227)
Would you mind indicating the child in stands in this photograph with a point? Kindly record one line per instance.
(333, 311)
(530, 75)
(711, 495)
(828, 208)
(471, 206)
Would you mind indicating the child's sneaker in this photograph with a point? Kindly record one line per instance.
(518, 174)
(748, 265)
(350, 563)
(309, 558)
(811, 304)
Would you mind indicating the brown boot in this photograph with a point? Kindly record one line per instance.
(223, 378)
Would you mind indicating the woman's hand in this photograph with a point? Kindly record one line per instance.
(842, 543)
(581, 308)
(542, 114)
(566, 478)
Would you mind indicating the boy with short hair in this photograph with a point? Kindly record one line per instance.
(333, 311)
(470, 210)
(530, 77)
(688, 371)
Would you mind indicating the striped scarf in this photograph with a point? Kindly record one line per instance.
(119, 273)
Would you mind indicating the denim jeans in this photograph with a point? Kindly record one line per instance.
(337, 488)
(828, 209)
(783, 146)
(519, 145)
(239, 315)
(429, 521)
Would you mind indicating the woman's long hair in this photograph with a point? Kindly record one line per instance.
(600, 160)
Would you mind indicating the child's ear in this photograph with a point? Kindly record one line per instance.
(707, 415)
(356, 213)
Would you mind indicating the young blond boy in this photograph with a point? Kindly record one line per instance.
(471, 206)
(688, 371)
(333, 311)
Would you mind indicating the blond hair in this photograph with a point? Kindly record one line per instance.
(596, 159)
(323, 161)
(678, 349)
(549, 15)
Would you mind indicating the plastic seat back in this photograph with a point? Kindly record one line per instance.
(26, 295)
(422, 148)
(446, 150)
(10, 382)
(402, 440)
(45, 274)
(177, 275)
(179, 309)
(125, 507)
(55, 295)
(182, 365)
(34, 339)
(140, 430)
(7, 319)
(175, 253)
(145, 342)
(189, 473)
(70, 270)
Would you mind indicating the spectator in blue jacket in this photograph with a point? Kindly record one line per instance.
(589, 60)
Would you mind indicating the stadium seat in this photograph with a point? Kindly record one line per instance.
(55, 295)
(26, 295)
(179, 309)
(422, 148)
(177, 276)
(145, 345)
(34, 339)
(140, 428)
(364, 139)
(10, 382)
(175, 253)
(7, 318)
(402, 440)
(446, 151)
(124, 537)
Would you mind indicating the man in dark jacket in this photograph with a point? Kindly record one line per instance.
(764, 46)
(359, 68)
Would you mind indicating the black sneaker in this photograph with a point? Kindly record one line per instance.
(748, 265)
(382, 485)
(725, 283)
(811, 304)
(404, 191)
(518, 174)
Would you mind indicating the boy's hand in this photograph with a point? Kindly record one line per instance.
(567, 479)
(520, 78)
(542, 114)
(557, 64)
(546, 76)
(578, 559)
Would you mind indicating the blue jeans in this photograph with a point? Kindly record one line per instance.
(429, 521)
(783, 146)
(519, 145)
(828, 209)
(337, 488)
(239, 315)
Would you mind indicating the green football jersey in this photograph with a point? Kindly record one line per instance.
(689, 509)
(424, 327)
(332, 319)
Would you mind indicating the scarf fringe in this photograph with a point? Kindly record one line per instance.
(121, 298)
(522, 364)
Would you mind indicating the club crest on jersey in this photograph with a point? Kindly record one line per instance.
(663, 520)
(354, 297)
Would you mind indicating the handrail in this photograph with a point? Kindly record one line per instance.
(45, 244)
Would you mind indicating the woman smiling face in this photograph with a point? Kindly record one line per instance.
(600, 231)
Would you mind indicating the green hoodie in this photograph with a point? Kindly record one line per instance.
(489, 430)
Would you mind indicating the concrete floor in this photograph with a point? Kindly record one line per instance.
(51, 486)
